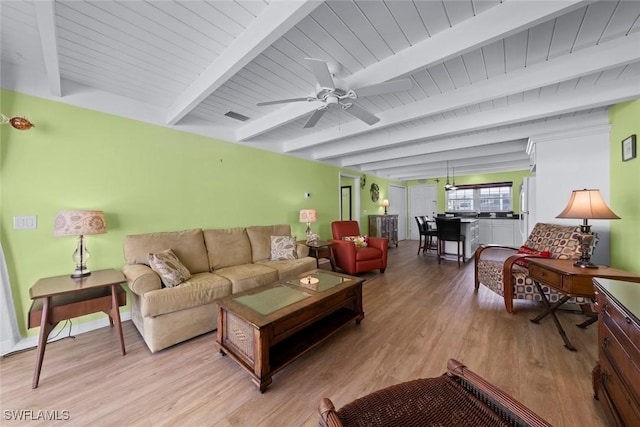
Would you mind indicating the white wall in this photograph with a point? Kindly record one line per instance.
(573, 161)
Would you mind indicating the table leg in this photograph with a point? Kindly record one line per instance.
(115, 315)
(552, 311)
(45, 330)
(332, 260)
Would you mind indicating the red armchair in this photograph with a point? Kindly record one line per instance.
(357, 260)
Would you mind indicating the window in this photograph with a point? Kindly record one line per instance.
(496, 197)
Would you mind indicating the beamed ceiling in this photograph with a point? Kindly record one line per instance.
(486, 75)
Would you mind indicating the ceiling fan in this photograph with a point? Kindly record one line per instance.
(330, 92)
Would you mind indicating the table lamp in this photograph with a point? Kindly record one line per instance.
(385, 203)
(308, 216)
(586, 204)
(80, 223)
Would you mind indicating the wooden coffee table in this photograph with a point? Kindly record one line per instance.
(266, 328)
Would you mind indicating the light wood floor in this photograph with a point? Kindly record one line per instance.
(418, 314)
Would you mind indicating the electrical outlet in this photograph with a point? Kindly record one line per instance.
(25, 222)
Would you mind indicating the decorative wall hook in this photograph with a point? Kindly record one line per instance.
(17, 122)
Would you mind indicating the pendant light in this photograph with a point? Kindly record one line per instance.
(447, 186)
(453, 186)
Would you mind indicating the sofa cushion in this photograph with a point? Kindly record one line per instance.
(291, 268)
(283, 247)
(188, 246)
(200, 289)
(248, 276)
(227, 247)
(260, 237)
(167, 265)
(561, 241)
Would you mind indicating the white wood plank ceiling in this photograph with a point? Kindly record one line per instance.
(486, 75)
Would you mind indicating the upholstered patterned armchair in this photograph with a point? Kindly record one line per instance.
(354, 258)
(497, 267)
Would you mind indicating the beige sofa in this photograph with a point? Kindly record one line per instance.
(221, 262)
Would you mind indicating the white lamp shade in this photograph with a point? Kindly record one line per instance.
(79, 223)
(308, 215)
(587, 204)
(385, 203)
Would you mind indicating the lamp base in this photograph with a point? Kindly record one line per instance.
(78, 273)
(584, 264)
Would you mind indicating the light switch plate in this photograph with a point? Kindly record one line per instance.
(25, 222)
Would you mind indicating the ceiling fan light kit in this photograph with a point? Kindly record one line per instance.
(330, 91)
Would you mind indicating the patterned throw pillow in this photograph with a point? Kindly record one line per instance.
(283, 247)
(169, 268)
(528, 251)
(360, 241)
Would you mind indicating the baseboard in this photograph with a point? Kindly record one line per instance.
(32, 342)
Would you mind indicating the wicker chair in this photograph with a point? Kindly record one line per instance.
(458, 398)
(496, 266)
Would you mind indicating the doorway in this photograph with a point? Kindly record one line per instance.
(422, 201)
(346, 211)
(344, 180)
(398, 205)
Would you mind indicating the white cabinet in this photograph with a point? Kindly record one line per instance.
(503, 232)
(485, 231)
(499, 232)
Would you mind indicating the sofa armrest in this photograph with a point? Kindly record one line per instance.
(141, 278)
(495, 250)
(381, 243)
(302, 250)
(344, 252)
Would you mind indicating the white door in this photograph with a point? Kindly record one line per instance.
(422, 201)
(398, 205)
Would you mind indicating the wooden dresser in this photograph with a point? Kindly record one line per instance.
(384, 226)
(616, 377)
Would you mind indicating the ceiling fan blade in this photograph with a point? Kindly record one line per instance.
(320, 70)
(282, 101)
(385, 87)
(315, 117)
(357, 111)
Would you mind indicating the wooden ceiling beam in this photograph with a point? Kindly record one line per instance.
(277, 18)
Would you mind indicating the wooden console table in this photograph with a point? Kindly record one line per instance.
(63, 297)
(562, 276)
(616, 377)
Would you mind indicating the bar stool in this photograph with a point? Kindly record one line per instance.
(449, 230)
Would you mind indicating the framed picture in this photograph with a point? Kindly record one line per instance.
(629, 148)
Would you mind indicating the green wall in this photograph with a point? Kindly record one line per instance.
(145, 178)
(150, 178)
(625, 176)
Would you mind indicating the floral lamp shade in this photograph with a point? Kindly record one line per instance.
(79, 223)
(308, 215)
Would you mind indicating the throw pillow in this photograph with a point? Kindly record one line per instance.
(171, 271)
(283, 247)
(360, 241)
(528, 251)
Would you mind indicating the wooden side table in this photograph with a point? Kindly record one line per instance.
(562, 276)
(62, 297)
(321, 249)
